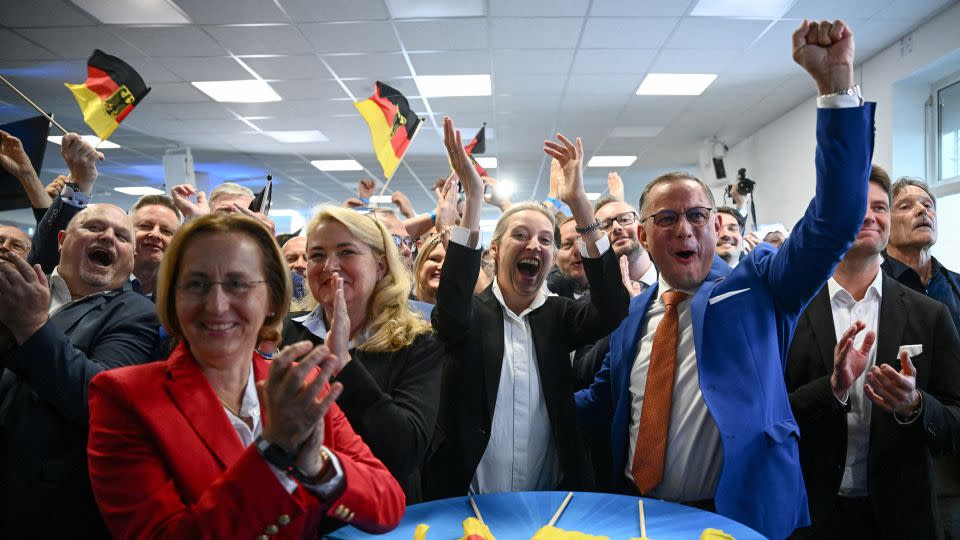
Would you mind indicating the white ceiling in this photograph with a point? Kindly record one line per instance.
(568, 65)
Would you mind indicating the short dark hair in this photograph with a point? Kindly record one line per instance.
(905, 181)
(731, 211)
(880, 177)
(671, 177)
(156, 200)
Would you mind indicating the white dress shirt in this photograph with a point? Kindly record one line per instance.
(846, 311)
(693, 455)
(520, 454)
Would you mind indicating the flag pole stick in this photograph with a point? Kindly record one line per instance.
(475, 509)
(643, 522)
(35, 106)
(560, 510)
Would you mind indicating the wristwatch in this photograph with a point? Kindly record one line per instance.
(69, 189)
(276, 455)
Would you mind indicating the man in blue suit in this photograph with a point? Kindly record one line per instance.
(723, 435)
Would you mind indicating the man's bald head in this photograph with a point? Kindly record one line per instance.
(15, 240)
(96, 250)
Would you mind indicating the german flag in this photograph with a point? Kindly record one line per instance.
(478, 146)
(392, 125)
(111, 92)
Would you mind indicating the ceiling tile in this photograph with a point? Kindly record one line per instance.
(536, 8)
(376, 66)
(443, 34)
(221, 68)
(231, 11)
(693, 61)
(335, 10)
(44, 13)
(526, 85)
(343, 37)
(626, 32)
(639, 8)
(283, 39)
(176, 93)
(15, 47)
(532, 61)
(451, 63)
(198, 111)
(289, 67)
(711, 33)
(818, 10)
(171, 41)
(314, 89)
(912, 10)
(614, 85)
(541, 33)
(80, 41)
(613, 60)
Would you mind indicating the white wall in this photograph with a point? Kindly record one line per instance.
(780, 156)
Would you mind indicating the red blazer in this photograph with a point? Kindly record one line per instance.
(165, 462)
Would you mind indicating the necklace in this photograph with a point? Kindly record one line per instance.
(232, 410)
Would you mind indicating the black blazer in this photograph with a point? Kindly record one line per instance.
(472, 329)
(899, 462)
(390, 399)
(45, 489)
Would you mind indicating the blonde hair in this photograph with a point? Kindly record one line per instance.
(426, 248)
(275, 271)
(390, 324)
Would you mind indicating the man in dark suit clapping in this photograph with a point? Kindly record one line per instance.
(874, 381)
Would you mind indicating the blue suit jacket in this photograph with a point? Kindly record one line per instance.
(743, 323)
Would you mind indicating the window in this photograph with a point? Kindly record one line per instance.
(943, 135)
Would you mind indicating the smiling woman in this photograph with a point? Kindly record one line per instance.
(508, 420)
(215, 440)
(392, 363)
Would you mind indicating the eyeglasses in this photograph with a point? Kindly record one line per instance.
(237, 288)
(624, 219)
(16, 246)
(667, 219)
(402, 240)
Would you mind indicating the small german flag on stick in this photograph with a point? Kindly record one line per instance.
(393, 125)
(478, 146)
(110, 94)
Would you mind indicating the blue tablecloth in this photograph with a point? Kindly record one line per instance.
(519, 515)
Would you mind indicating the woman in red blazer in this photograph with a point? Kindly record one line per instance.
(216, 442)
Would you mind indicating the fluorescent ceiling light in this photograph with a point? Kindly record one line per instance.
(453, 85)
(337, 164)
(381, 199)
(630, 132)
(611, 161)
(95, 141)
(306, 136)
(593, 195)
(139, 190)
(432, 9)
(486, 162)
(139, 12)
(760, 9)
(250, 91)
(675, 84)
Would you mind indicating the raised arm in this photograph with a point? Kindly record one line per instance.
(15, 161)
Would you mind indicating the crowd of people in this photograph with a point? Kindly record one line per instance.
(178, 370)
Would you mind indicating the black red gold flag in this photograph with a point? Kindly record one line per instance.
(393, 124)
(478, 146)
(109, 95)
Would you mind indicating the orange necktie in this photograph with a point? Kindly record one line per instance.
(658, 394)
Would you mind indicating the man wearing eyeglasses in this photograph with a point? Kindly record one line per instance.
(15, 240)
(694, 380)
(621, 223)
(399, 233)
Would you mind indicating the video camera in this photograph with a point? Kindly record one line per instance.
(744, 185)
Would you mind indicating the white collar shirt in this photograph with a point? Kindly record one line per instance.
(694, 454)
(846, 311)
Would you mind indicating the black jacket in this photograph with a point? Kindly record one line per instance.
(472, 329)
(43, 411)
(390, 399)
(899, 461)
